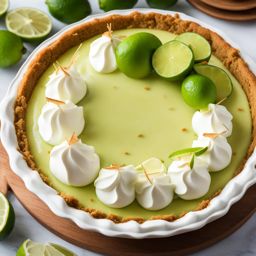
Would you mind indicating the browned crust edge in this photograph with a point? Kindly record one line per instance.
(221, 49)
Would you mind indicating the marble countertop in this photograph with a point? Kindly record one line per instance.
(241, 243)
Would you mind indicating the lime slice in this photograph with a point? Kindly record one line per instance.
(173, 60)
(152, 165)
(30, 248)
(219, 77)
(188, 151)
(199, 45)
(4, 4)
(28, 23)
(7, 217)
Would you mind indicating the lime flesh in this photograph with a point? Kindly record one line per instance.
(4, 4)
(173, 60)
(11, 49)
(108, 5)
(28, 23)
(30, 248)
(134, 54)
(219, 77)
(198, 91)
(69, 11)
(7, 217)
(199, 45)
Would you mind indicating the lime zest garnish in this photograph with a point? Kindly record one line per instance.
(188, 151)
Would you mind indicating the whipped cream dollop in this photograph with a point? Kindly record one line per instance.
(115, 185)
(154, 191)
(66, 84)
(75, 164)
(189, 183)
(102, 53)
(219, 153)
(57, 122)
(217, 119)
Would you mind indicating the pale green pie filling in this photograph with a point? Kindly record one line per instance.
(119, 109)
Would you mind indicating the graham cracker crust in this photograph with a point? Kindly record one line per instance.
(229, 56)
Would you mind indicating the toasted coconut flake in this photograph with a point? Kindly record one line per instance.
(218, 103)
(63, 69)
(74, 139)
(109, 32)
(113, 167)
(57, 102)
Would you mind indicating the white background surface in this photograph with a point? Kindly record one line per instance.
(241, 243)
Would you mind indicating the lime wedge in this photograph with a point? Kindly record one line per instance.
(199, 45)
(4, 4)
(30, 248)
(188, 151)
(173, 60)
(28, 23)
(219, 77)
(7, 217)
(153, 165)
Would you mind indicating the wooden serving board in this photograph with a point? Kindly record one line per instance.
(245, 15)
(232, 5)
(173, 246)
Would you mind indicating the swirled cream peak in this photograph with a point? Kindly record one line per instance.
(74, 163)
(102, 52)
(59, 120)
(115, 185)
(66, 84)
(154, 190)
(189, 183)
(219, 152)
(217, 119)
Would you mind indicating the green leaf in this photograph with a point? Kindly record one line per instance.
(192, 161)
(188, 151)
(200, 152)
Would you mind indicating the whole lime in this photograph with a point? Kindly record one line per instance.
(69, 11)
(108, 5)
(134, 54)
(198, 91)
(11, 49)
(161, 4)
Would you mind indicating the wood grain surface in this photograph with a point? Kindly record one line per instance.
(246, 15)
(231, 5)
(178, 245)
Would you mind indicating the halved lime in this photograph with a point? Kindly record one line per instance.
(4, 4)
(199, 45)
(28, 23)
(7, 217)
(219, 77)
(173, 60)
(30, 248)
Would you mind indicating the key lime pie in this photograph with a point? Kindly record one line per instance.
(137, 117)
